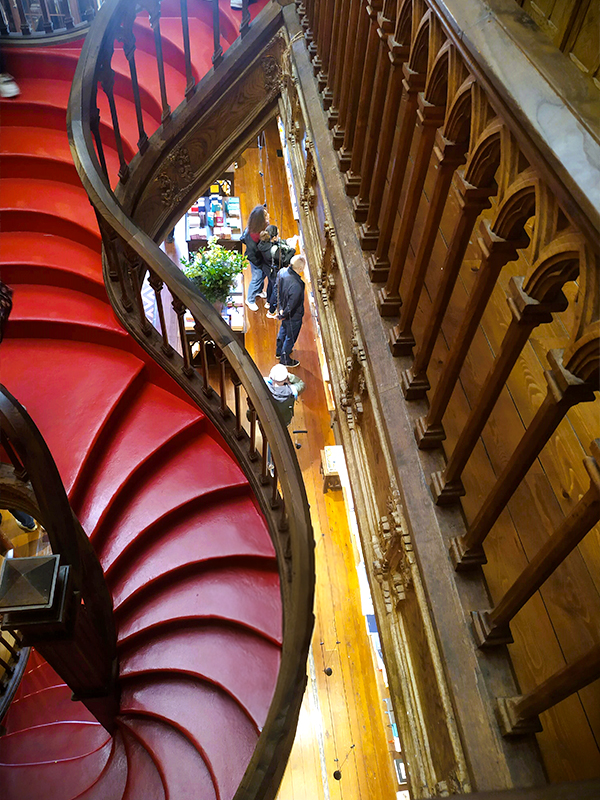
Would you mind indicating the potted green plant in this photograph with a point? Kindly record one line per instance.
(213, 270)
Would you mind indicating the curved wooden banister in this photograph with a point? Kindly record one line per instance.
(129, 253)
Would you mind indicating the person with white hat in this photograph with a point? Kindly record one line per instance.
(285, 389)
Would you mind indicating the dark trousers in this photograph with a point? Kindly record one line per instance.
(286, 338)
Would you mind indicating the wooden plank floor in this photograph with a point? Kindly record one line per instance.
(346, 708)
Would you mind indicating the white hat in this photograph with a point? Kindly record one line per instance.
(279, 373)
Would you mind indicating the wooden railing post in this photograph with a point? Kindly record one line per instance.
(129, 51)
(412, 85)
(333, 91)
(47, 24)
(496, 252)
(492, 628)
(180, 309)
(217, 55)
(185, 32)
(519, 715)
(107, 81)
(157, 285)
(245, 24)
(155, 25)
(324, 44)
(66, 13)
(564, 391)
(23, 24)
(429, 117)
(448, 156)
(339, 130)
(472, 201)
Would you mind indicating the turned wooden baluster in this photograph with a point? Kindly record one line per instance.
(496, 252)
(430, 117)
(129, 51)
(275, 499)
(205, 342)
(107, 81)
(472, 201)
(361, 168)
(370, 102)
(264, 465)
(217, 56)
(95, 129)
(245, 24)
(133, 268)
(361, 88)
(253, 453)
(492, 628)
(308, 20)
(530, 305)
(190, 84)
(66, 14)
(155, 25)
(447, 156)
(519, 715)
(20, 471)
(23, 24)
(7, 26)
(564, 391)
(339, 130)
(325, 45)
(313, 46)
(333, 91)
(156, 284)
(237, 393)
(111, 244)
(180, 309)
(367, 205)
(222, 359)
(412, 85)
(47, 24)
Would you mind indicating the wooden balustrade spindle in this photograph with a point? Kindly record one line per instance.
(319, 37)
(19, 468)
(472, 201)
(217, 55)
(430, 117)
(95, 129)
(129, 51)
(205, 341)
(157, 284)
(367, 205)
(315, 21)
(66, 14)
(519, 715)
(491, 628)
(245, 25)
(7, 23)
(222, 382)
(339, 130)
(447, 157)
(333, 91)
(180, 309)
(527, 313)
(237, 393)
(370, 104)
(326, 45)
(47, 23)
(564, 391)
(496, 252)
(133, 265)
(253, 453)
(362, 59)
(355, 178)
(412, 85)
(115, 263)
(275, 501)
(23, 24)
(107, 81)
(264, 465)
(307, 21)
(190, 84)
(155, 25)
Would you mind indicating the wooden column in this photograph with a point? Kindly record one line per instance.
(429, 118)
(564, 391)
(492, 628)
(365, 52)
(315, 8)
(496, 252)
(448, 156)
(367, 204)
(325, 45)
(333, 91)
(412, 84)
(519, 715)
(527, 314)
(370, 104)
(347, 75)
(472, 201)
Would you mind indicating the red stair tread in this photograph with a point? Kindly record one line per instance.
(248, 595)
(57, 741)
(196, 470)
(206, 716)
(113, 779)
(143, 779)
(218, 531)
(150, 419)
(184, 774)
(73, 405)
(240, 662)
(52, 704)
(37, 306)
(42, 676)
(55, 779)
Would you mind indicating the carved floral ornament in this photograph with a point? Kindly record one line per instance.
(325, 278)
(353, 384)
(394, 556)
(176, 177)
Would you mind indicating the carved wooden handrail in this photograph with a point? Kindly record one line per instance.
(129, 254)
(24, 23)
(32, 482)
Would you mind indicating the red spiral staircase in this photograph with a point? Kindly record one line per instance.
(185, 550)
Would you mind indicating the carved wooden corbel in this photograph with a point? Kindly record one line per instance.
(353, 384)
(394, 555)
(176, 177)
(325, 278)
(308, 195)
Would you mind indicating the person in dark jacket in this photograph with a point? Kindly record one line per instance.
(285, 389)
(276, 254)
(290, 287)
(257, 222)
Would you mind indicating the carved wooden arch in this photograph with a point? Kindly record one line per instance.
(484, 159)
(404, 18)
(436, 87)
(419, 51)
(557, 264)
(582, 356)
(458, 117)
(517, 206)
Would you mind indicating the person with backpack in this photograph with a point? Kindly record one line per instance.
(257, 222)
(285, 390)
(277, 255)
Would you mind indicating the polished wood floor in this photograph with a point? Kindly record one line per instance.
(342, 715)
